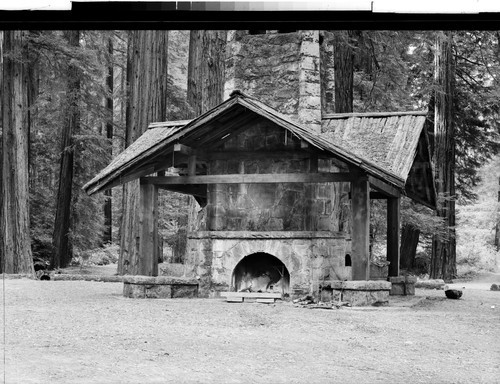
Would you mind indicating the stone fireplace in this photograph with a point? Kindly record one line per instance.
(292, 262)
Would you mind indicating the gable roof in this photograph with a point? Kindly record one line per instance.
(339, 140)
(397, 141)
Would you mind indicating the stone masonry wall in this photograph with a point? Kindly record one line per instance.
(280, 69)
(309, 258)
(267, 207)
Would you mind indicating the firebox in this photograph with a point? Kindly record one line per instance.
(260, 272)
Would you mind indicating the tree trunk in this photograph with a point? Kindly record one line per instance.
(108, 218)
(344, 71)
(443, 262)
(409, 242)
(147, 102)
(343, 57)
(14, 225)
(497, 226)
(63, 252)
(206, 67)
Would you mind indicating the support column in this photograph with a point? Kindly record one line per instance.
(393, 228)
(148, 222)
(360, 205)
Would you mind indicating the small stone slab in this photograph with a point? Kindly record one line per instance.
(234, 299)
(158, 280)
(266, 301)
(99, 278)
(159, 287)
(358, 285)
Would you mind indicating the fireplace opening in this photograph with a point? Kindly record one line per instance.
(261, 272)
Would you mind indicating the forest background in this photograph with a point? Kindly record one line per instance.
(76, 88)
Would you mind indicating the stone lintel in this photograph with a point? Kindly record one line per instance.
(265, 235)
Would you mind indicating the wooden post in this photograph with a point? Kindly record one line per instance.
(148, 221)
(192, 165)
(360, 205)
(393, 235)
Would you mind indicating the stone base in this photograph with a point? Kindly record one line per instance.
(161, 287)
(403, 285)
(357, 293)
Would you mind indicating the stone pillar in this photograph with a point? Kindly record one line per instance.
(393, 235)
(360, 205)
(148, 222)
(309, 108)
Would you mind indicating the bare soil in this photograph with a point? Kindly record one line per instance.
(87, 332)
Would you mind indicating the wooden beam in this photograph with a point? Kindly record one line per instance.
(251, 178)
(393, 220)
(360, 205)
(199, 190)
(184, 149)
(148, 222)
(384, 187)
(250, 155)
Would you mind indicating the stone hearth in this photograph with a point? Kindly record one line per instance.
(304, 259)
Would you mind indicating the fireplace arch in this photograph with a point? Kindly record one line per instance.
(260, 272)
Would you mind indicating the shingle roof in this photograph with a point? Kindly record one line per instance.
(383, 145)
(389, 140)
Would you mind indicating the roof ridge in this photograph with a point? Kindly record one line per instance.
(171, 123)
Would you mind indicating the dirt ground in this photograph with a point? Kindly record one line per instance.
(86, 332)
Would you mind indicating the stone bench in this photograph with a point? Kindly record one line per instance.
(403, 285)
(159, 287)
(357, 293)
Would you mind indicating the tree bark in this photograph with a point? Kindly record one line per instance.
(147, 102)
(409, 242)
(108, 215)
(344, 71)
(443, 261)
(14, 225)
(343, 57)
(206, 67)
(63, 252)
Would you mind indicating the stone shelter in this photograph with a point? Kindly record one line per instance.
(266, 167)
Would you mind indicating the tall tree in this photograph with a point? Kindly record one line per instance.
(443, 262)
(60, 239)
(14, 225)
(343, 56)
(108, 218)
(147, 102)
(206, 69)
(344, 71)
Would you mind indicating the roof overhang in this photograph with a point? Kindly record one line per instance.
(155, 150)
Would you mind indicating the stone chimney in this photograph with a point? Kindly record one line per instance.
(282, 70)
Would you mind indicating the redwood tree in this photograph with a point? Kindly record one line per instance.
(60, 239)
(15, 241)
(147, 102)
(108, 216)
(343, 56)
(206, 69)
(443, 262)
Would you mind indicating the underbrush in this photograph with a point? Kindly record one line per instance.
(98, 256)
(476, 257)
